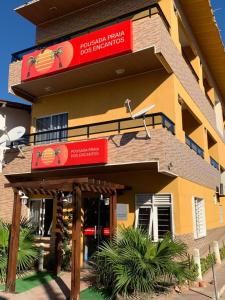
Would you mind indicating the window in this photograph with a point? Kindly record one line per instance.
(199, 218)
(52, 122)
(154, 214)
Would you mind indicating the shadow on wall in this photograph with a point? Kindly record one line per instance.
(98, 100)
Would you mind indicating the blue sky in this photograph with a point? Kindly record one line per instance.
(17, 34)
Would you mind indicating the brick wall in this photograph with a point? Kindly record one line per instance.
(172, 155)
(151, 32)
(6, 200)
(85, 18)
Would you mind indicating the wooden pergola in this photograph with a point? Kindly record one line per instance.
(56, 188)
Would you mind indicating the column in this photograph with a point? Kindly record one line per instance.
(13, 245)
(76, 244)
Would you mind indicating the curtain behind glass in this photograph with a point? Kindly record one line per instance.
(51, 123)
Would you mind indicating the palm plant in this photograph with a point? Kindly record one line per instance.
(57, 54)
(31, 61)
(132, 263)
(27, 253)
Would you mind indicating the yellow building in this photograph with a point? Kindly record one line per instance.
(168, 59)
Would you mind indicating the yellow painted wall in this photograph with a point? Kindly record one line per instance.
(106, 102)
(182, 192)
(188, 190)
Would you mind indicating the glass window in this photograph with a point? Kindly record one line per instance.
(153, 214)
(50, 123)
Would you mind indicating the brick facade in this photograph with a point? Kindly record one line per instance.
(90, 16)
(173, 157)
(7, 200)
(147, 33)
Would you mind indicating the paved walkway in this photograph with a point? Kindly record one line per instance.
(56, 289)
(207, 292)
(59, 289)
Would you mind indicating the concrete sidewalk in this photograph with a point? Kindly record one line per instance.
(207, 292)
(56, 289)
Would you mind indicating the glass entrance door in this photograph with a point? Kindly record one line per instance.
(96, 225)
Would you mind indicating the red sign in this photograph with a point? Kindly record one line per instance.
(70, 154)
(98, 45)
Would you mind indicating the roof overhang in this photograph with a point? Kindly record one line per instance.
(40, 11)
(208, 36)
(92, 74)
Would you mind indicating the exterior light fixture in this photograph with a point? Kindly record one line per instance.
(23, 197)
(48, 88)
(120, 71)
(68, 199)
(105, 198)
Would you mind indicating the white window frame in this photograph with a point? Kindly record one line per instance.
(153, 222)
(204, 231)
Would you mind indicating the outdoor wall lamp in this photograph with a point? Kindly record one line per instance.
(105, 198)
(68, 199)
(23, 197)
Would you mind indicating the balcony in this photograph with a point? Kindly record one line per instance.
(193, 146)
(145, 32)
(129, 149)
(96, 130)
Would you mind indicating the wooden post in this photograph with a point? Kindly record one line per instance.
(58, 235)
(76, 244)
(13, 245)
(113, 214)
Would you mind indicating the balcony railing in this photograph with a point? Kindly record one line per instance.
(214, 163)
(198, 150)
(93, 130)
(19, 55)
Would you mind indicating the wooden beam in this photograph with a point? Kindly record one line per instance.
(58, 235)
(49, 184)
(113, 214)
(13, 245)
(76, 243)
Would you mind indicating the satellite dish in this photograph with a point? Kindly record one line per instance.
(143, 111)
(15, 134)
(139, 114)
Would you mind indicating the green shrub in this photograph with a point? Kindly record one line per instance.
(222, 252)
(27, 252)
(207, 262)
(133, 263)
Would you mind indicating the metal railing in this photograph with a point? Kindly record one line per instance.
(214, 163)
(19, 55)
(119, 126)
(198, 150)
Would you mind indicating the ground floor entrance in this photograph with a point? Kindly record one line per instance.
(96, 224)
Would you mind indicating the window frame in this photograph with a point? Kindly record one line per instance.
(49, 116)
(153, 224)
(204, 232)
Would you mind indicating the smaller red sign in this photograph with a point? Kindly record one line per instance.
(70, 154)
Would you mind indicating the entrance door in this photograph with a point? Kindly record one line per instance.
(96, 224)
